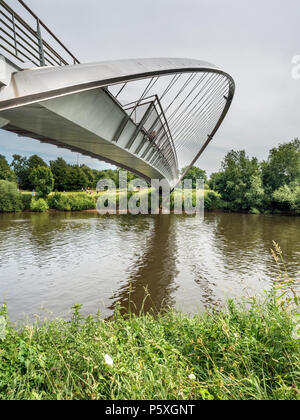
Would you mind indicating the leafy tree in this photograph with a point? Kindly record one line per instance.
(10, 197)
(23, 166)
(282, 166)
(287, 198)
(60, 170)
(42, 180)
(89, 174)
(20, 167)
(195, 173)
(76, 179)
(239, 181)
(6, 172)
(34, 161)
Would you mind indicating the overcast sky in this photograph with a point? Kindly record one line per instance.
(254, 41)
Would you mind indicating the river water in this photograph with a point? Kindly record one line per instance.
(48, 262)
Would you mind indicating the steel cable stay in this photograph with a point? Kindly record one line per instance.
(203, 92)
(216, 110)
(202, 132)
(170, 86)
(194, 88)
(195, 111)
(199, 119)
(195, 97)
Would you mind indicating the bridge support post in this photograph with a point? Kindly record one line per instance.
(41, 47)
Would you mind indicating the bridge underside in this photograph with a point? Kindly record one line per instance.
(74, 108)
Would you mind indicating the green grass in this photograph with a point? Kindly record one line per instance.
(241, 353)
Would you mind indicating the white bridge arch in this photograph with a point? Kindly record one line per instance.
(80, 107)
(151, 116)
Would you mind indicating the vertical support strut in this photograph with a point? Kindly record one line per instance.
(41, 47)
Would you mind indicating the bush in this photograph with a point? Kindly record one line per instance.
(254, 210)
(213, 201)
(39, 205)
(59, 201)
(26, 199)
(287, 198)
(81, 201)
(10, 197)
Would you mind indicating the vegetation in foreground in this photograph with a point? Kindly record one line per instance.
(237, 354)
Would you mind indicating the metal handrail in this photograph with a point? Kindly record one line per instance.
(22, 42)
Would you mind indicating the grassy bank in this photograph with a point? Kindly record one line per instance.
(235, 354)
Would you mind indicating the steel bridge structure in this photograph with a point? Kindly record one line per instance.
(151, 116)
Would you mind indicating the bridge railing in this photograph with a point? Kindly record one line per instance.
(151, 121)
(23, 42)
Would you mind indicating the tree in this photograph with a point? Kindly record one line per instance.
(282, 166)
(60, 170)
(42, 180)
(6, 172)
(34, 161)
(76, 179)
(239, 181)
(195, 173)
(23, 167)
(20, 167)
(89, 174)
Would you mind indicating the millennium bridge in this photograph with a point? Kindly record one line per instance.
(151, 116)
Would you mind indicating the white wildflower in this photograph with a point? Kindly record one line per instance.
(192, 376)
(108, 360)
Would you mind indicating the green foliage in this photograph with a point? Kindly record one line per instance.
(282, 166)
(213, 201)
(71, 202)
(287, 198)
(59, 169)
(42, 180)
(239, 176)
(59, 201)
(10, 198)
(81, 201)
(238, 354)
(194, 174)
(39, 205)
(26, 199)
(272, 186)
(23, 168)
(20, 167)
(6, 173)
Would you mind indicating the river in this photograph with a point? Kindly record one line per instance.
(48, 262)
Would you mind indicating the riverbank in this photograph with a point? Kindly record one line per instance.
(240, 354)
(12, 200)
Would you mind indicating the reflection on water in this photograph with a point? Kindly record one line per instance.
(52, 261)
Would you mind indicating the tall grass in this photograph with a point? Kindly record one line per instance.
(236, 354)
(248, 351)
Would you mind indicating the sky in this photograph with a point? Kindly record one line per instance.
(254, 41)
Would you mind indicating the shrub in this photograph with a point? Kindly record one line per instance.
(213, 201)
(10, 197)
(81, 201)
(59, 201)
(254, 210)
(26, 199)
(39, 205)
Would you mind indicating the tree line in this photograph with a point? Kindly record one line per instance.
(60, 176)
(242, 183)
